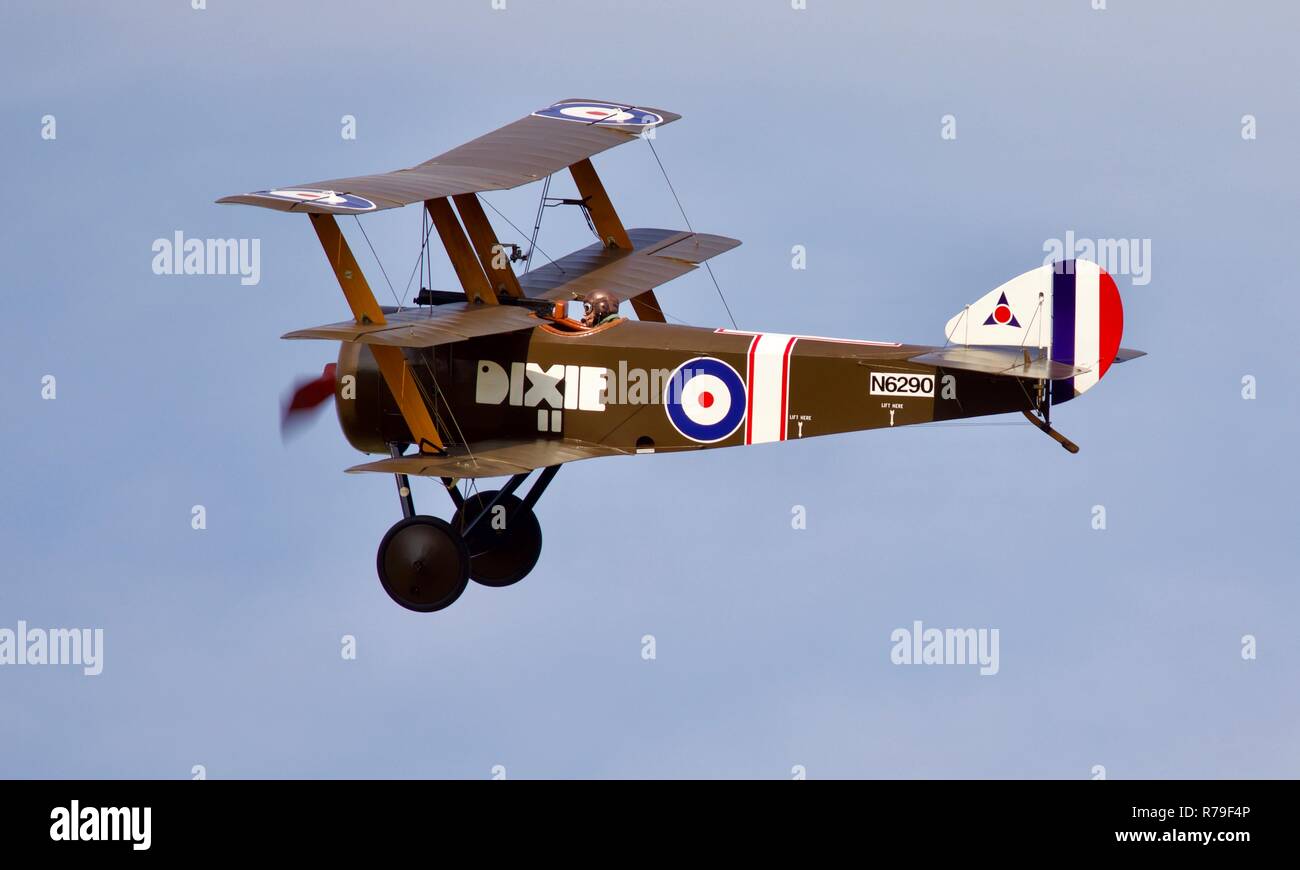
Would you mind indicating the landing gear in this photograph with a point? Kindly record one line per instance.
(503, 536)
(1043, 402)
(425, 563)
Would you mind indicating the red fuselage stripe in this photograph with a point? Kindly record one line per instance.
(785, 385)
(749, 388)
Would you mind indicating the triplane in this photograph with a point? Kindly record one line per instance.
(496, 380)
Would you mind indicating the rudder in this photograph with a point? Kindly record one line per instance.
(1071, 308)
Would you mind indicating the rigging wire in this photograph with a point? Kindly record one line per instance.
(664, 313)
(962, 424)
(586, 215)
(516, 229)
(422, 259)
(537, 224)
(425, 358)
(425, 230)
(426, 261)
(707, 267)
(380, 262)
(1019, 381)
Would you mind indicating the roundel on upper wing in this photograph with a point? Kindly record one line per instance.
(324, 198)
(705, 399)
(604, 114)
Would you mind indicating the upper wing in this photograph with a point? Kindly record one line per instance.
(657, 256)
(491, 458)
(442, 324)
(531, 148)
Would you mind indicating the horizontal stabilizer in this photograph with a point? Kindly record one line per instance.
(1124, 354)
(657, 257)
(1008, 361)
(412, 327)
(490, 459)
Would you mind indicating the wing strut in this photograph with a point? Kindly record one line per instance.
(392, 363)
(463, 259)
(489, 250)
(610, 229)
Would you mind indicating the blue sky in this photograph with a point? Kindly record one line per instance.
(818, 127)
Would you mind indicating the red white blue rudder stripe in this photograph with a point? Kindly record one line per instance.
(1087, 323)
(1071, 308)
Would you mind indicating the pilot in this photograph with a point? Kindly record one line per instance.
(599, 306)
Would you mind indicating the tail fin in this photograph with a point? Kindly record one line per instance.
(1071, 309)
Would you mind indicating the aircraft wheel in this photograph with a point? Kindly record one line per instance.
(504, 545)
(423, 564)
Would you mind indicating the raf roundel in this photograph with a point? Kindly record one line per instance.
(604, 114)
(344, 202)
(705, 399)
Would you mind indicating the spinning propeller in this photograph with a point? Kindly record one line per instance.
(307, 396)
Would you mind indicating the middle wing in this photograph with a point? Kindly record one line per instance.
(657, 256)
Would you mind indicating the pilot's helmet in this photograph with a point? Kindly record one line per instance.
(597, 305)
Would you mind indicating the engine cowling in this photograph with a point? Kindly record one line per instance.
(368, 412)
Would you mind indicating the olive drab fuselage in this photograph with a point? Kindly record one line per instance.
(627, 386)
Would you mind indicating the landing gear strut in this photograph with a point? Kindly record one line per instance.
(502, 532)
(1043, 401)
(425, 563)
